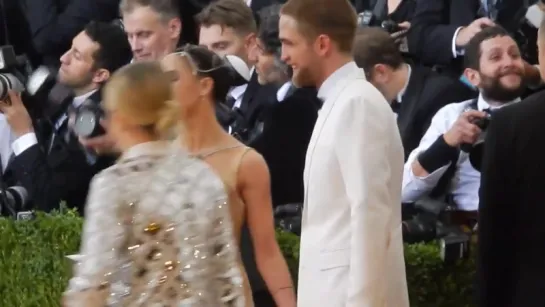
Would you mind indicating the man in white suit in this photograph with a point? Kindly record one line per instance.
(351, 242)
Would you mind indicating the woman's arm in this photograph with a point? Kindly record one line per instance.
(101, 238)
(254, 187)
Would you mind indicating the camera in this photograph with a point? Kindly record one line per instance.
(13, 71)
(422, 223)
(13, 202)
(87, 120)
(288, 217)
(368, 19)
(475, 150)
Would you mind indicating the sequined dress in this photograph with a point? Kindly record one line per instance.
(157, 232)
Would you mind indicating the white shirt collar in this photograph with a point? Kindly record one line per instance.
(238, 91)
(283, 91)
(331, 81)
(249, 2)
(79, 100)
(482, 104)
(404, 89)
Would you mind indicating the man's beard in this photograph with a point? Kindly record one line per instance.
(493, 89)
(303, 78)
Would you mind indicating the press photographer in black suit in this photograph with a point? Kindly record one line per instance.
(510, 264)
(416, 93)
(53, 23)
(49, 162)
(287, 122)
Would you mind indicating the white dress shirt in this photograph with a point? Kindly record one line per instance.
(283, 91)
(464, 186)
(6, 139)
(28, 140)
(404, 89)
(237, 92)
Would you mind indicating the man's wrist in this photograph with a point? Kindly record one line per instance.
(439, 154)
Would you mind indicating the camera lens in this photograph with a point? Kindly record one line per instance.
(8, 82)
(86, 123)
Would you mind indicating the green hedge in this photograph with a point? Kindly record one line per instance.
(34, 271)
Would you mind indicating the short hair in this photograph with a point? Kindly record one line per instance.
(334, 18)
(374, 46)
(473, 52)
(114, 49)
(234, 14)
(268, 31)
(167, 9)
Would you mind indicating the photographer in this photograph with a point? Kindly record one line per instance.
(510, 263)
(49, 163)
(438, 166)
(153, 29)
(415, 93)
(54, 23)
(441, 30)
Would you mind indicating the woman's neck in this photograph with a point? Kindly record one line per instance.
(126, 143)
(201, 130)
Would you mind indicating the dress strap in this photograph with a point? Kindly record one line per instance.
(207, 153)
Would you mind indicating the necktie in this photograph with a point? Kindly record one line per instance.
(230, 101)
(395, 106)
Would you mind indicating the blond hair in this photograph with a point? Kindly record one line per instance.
(141, 91)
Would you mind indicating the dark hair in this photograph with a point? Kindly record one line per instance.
(472, 56)
(167, 9)
(268, 28)
(221, 73)
(334, 18)
(233, 14)
(114, 49)
(374, 46)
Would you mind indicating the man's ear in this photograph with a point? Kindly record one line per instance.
(250, 41)
(380, 73)
(101, 76)
(473, 76)
(175, 28)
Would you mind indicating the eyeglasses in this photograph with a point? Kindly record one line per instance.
(217, 62)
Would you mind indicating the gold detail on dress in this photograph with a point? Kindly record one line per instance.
(152, 229)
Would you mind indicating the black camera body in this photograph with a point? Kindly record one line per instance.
(14, 71)
(368, 19)
(87, 120)
(475, 150)
(423, 225)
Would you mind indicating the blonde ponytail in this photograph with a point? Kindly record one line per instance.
(167, 117)
(141, 91)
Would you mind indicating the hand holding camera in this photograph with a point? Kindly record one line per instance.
(16, 114)
(466, 129)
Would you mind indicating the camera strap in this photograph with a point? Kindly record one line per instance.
(441, 188)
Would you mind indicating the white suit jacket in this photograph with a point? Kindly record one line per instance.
(351, 243)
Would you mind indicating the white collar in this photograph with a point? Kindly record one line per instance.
(331, 81)
(79, 100)
(147, 148)
(238, 91)
(404, 89)
(283, 91)
(482, 104)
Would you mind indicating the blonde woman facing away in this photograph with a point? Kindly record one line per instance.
(157, 229)
(202, 81)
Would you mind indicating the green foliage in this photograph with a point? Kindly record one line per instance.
(34, 270)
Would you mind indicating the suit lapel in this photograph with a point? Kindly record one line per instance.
(323, 115)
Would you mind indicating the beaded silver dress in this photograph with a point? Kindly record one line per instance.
(157, 232)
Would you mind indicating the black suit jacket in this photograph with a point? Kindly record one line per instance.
(287, 127)
(435, 22)
(54, 23)
(511, 266)
(426, 93)
(61, 174)
(256, 98)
